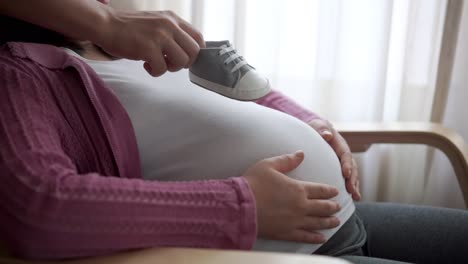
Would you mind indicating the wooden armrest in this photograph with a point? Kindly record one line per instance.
(360, 136)
(195, 256)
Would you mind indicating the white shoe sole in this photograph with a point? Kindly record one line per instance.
(233, 93)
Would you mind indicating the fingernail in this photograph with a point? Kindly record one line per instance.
(326, 134)
(322, 239)
(338, 206)
(299, 154)
(336, 221)
(335, 191)
(356, 196)
(349, 172)
(148, 68)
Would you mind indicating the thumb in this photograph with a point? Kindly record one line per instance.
(288, 162)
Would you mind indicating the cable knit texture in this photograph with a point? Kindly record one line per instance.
(70, 171)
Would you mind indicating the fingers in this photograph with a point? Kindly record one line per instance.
(177, 57)
(320, 191)
(339, 144)
(342, 150)
(353, 189)
(350, 172)
(286, 163)
(195, 34)
(347, 164)
(176, 43)
(307, 232)
(323, 127)
(299, 209)
(156, 65)
(322, 207)
(318, 223)
(189, 45)
(304, 236)
(190, 39)
(357, 195)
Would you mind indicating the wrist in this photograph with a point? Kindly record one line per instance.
(104, 24)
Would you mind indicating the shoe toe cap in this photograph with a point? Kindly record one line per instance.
(254, 83)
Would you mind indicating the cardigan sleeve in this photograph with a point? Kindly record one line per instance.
(278, 101)
(50, 211)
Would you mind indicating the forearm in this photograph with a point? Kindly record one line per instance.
(90, 215)
(278, 101)
(78, 19)
(56, 206)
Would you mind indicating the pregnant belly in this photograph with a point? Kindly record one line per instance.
(226, 143)
(186, 133)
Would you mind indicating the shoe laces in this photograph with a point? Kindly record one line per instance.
(239, 61)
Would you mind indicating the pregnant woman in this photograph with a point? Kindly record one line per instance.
(183, 133)
(186, 133)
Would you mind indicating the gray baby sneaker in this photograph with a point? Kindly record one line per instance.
(220, 69)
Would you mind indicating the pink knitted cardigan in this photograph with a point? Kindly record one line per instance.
(71, 183)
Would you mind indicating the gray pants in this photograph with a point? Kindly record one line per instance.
(396, 233)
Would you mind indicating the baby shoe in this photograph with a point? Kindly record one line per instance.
(220, 69)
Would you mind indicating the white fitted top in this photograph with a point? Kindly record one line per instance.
(187, 133)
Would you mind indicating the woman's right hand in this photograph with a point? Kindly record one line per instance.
(288, 209)
(160, 38)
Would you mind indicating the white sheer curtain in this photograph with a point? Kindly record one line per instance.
(359, 60)
(442, 190)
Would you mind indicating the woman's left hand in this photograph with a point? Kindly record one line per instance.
(339, 145)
